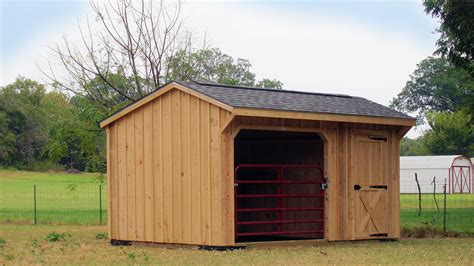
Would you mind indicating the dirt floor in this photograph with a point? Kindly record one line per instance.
(29, 244)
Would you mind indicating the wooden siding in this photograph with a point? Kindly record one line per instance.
(165, 173)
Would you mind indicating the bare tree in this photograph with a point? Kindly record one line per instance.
(125, 56)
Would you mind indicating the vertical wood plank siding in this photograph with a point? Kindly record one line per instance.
(171, 171)
(165, 169)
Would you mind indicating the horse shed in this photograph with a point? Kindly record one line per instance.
(455, 170)
(215, 165)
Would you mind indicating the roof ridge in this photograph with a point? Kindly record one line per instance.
(266, 89)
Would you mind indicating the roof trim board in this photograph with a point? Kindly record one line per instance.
(323, 116)
(157, 93)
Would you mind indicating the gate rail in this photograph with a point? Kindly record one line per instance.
(281, 195)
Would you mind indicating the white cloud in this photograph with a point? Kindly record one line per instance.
(311, 52)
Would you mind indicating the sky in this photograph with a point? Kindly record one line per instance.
(361, 48)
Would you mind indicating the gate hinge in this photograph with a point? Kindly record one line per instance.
(324, 184)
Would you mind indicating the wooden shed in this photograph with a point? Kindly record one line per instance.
(215, 165)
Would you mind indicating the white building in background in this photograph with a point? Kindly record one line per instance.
(456, 169)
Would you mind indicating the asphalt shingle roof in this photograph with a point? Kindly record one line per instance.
(248, 97)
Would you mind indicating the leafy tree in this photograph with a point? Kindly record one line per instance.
(436, 85)
(457, 30)
(211, 65)
(450, 133)
(22, 123)
(413, 147)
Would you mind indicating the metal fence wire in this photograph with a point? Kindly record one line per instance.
(85, 204)
(429, 205)
(53, 203)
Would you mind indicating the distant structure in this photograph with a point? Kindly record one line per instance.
(456, 169)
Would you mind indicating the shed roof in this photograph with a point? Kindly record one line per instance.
(430, 162)
(241, 97)
(250, 97)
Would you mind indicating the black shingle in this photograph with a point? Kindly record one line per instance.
(237, 96)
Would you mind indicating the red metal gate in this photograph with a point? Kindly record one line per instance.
(273, 184)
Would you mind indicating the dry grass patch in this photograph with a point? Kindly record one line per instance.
(27, 244)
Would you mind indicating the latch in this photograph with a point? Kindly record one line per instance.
(324, 184)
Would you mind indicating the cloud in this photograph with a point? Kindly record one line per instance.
(307, 51)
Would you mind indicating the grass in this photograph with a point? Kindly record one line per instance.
(26, 244)
(459, 212)
(61, 197)
(64, 198)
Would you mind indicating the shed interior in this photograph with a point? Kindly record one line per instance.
(278, 193)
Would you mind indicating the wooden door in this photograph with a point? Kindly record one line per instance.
(370, 186)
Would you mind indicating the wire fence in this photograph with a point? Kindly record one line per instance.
(85, 203)
(53, 203)
(430, 207)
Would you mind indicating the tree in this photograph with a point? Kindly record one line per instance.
(436, 85)
(211, 65)
(413, 147)
(23, 123)
(450, 133)
(457, 30)
(127, 56)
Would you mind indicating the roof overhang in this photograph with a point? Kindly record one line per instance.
(157, 93)
(406, 123)
(324, 117)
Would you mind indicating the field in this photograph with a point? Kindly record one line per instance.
(74, 199)
(27, 244)
(61, 198)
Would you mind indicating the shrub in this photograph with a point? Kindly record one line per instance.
(102, 235)
(53, 237)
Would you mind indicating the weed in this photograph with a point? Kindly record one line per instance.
(131, 255)
(2, 242)
(34, 243)
(53, 237)
(102, 235)
(146, 258)
(9, 257)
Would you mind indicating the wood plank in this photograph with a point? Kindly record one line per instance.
(195, 221)
(113, 211)
(158, 177)
(109, 179)
(148, 146)
(139, 176)
(122, 178)
(205, 165)
(185, 133)
(227, 186)
(167, 173)
(215, 176)
(176, 174)
(131, 182)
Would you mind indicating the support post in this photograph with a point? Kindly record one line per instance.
(444, 208)
(34, 204)
(100, 203)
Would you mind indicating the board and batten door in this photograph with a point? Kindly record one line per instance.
(369, 185)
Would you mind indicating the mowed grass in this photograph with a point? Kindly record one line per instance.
(459, 212)
(61, 198)
(58, 203)
(27, 244)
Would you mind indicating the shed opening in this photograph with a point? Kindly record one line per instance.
(278, 179)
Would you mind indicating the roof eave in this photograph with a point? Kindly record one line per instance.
(243, 111)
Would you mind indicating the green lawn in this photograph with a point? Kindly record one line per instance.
(60, 205)
(459, 212)
(27, 245)
(60, 197)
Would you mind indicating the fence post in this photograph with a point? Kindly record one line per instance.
(444, 208)
(100, 203)
(34, 204)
